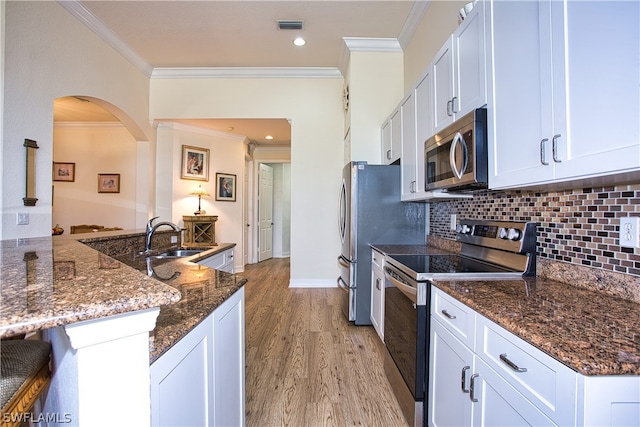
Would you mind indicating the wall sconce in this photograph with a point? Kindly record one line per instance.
(200, 192)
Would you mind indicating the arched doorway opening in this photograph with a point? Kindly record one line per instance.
(96, 176)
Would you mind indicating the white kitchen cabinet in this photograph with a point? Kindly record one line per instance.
(417, 127)
(487, 376)
(223, 261)
(200, 380)
(392, 138)
(377, 292)
(564, 91)
(459, 71)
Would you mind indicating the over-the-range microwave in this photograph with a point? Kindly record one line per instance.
(456, 158)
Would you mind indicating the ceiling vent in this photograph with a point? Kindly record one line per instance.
(289, 25)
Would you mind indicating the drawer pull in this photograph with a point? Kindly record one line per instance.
(447, 315)
(510, 364)
(472, 394)
(463, 380)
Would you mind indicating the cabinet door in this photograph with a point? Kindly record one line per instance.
(228, 365)
(498, 404)
(396, 138)
(386, 141)
(469, 64)
(442, 71)
(377, 301)
(180, 381)
(424, 127)
(598, 100)
(520, 94)
(408, 164)
(450, 370)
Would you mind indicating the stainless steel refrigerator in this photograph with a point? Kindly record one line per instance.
(370, 212)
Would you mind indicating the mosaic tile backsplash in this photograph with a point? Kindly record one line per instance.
(576, 226)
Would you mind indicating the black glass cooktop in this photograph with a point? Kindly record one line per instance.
(426, 266)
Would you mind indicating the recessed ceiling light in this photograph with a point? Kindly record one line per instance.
(268, 137)
(299, 41)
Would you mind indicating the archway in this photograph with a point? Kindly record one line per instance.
(96, 176)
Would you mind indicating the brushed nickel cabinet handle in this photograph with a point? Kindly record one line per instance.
(510, 364)
(554, 148)
(543, 155)
(447, 314)
(463, 379)
(472, 392)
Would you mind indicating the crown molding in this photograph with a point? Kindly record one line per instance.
(198, 129)
(88, 124)
(84, 15)
(418, 10)
(368, 44)
(247, 72)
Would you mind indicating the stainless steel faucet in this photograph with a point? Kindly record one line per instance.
(151, 229)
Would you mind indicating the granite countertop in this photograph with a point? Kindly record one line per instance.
(51, 281)
(203, 289)
(590, 331)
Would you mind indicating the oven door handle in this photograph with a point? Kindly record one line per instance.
(409, 291)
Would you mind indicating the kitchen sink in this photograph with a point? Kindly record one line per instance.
(179, 253)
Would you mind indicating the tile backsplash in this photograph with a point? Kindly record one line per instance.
(576, 226)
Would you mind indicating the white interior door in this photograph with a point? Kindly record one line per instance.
(245, 213)
(265, 208)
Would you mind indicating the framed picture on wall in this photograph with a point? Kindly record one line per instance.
(225, 187)
(108, 183)
(195, 163)
(64, 171)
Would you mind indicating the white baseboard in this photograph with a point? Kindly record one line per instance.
(312, 283)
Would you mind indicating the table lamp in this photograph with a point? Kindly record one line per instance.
(200, 192)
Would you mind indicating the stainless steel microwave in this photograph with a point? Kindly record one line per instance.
(456, 158)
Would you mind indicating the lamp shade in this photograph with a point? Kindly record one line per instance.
(200, 191)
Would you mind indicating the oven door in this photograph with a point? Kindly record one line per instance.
(406, 329)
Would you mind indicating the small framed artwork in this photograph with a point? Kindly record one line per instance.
(64, 270)
(64, 171)
(226, 187)
(195, 163)
(108, 183)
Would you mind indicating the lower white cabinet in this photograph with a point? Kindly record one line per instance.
(377, 292)
(200, 381)
(487, 376)
(223, 261)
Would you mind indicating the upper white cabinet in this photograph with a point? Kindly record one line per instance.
(459, 71)
(564, 91)
(417, 127)
(392, 138)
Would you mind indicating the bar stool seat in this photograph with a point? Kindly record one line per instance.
(24, 374)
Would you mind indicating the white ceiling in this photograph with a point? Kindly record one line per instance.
(159, 34)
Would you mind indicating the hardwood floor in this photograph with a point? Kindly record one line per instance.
(306, 365)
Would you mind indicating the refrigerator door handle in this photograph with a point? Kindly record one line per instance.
(342, 284)
(344, 262)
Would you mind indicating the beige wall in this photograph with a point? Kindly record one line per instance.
(314, 107)
(50, 54)
(95, 149)
(439, 22)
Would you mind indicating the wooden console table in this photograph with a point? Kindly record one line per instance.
(200, 230)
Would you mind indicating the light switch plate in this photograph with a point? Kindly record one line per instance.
(22, 218)
(630, 232)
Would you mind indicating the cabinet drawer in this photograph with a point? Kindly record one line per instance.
(547, 383)
(455, 316)
(377, 259)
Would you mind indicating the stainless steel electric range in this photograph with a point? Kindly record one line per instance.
(490, 250)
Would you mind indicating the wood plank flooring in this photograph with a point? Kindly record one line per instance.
(305, 364)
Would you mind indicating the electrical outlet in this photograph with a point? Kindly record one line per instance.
(453, 222)
(174, 239)
(22, 219)
(630, 232)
